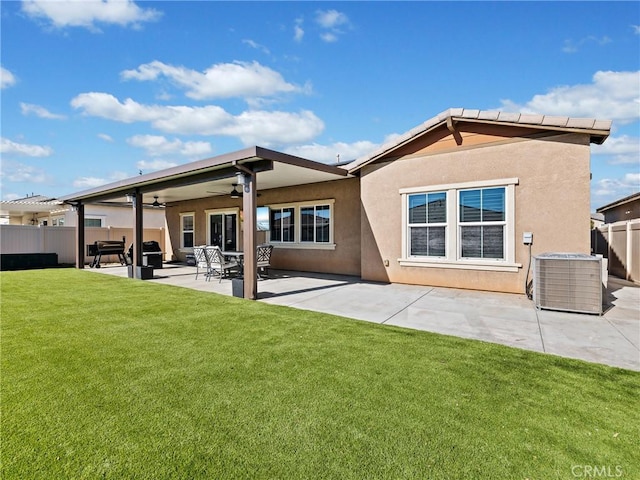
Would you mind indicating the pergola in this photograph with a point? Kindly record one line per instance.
(252, 166)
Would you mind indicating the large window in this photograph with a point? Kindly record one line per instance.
(187, 230)
(282, 224)
(302, 225)
(467, 225)
(482, 223)
(427, 224)
(315, 220)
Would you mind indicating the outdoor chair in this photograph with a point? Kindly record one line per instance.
(218, 266)
(263, 258)
(201, 260)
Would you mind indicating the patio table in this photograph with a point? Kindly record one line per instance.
(239, 257)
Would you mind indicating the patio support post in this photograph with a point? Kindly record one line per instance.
(80, 235)
(249, 201)
(138, 230)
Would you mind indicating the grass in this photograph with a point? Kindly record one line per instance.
(106, 377)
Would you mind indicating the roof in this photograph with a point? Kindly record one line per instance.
(185, 181)
(32, 204)
(621, 201)
(598, 129)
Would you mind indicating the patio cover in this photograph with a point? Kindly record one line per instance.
(197, 180)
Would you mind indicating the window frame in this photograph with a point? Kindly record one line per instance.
(298, 243)
(281, 208)
(223, 211)
(183, 231)
(426, 224)
(481, 223)
(452, 257)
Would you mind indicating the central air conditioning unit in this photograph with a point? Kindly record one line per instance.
(570, 282)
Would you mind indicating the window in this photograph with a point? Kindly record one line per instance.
(482, 223)
(187, 230)
(314, 223)
(282, 224)
(302, 225)
(427, 224)
(467, 225)
(92, 222)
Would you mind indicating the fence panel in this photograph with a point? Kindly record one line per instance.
(62, 240)
(620, 243)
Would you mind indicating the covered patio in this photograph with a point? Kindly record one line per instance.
(248, 170)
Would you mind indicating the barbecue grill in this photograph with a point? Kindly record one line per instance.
(106, 247)
(151, 254)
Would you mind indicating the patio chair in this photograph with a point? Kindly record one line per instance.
(263, 258)
(218, 266)
(201, 260)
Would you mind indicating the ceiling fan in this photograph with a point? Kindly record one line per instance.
(155, 203)
(234, 193)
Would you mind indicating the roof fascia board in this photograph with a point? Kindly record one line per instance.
(592, 132)
(617, 203)
(299, 161)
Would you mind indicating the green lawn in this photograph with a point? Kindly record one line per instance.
(106, 377)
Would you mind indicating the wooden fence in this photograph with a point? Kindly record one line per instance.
(62, 240)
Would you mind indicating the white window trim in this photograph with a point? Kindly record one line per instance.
(297, 244)
(223, 211)
(182, 247)
(452, 259)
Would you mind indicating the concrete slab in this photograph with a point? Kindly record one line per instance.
(612, 339)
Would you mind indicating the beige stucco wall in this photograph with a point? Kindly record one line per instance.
(345, 259)
(551, 200)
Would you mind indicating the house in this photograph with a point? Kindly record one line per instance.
(445, 204)
(627, 208)
(47, 211)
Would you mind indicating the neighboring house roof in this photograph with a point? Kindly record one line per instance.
(598, 129)
(598, 217)
(631, 198)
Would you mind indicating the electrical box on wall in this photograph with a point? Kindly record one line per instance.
(527, 238)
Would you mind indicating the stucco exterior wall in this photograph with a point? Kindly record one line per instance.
(551, 200)
(624, 212)
(344, 259)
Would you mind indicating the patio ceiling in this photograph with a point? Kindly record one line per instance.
(214, 177)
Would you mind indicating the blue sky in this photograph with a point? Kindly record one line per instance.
(96, 91)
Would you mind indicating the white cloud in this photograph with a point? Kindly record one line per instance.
(19, 172)
(24, 149)
(572, 46)
(90, 182)
(7, 79)
(105, 137)
(223, 80)
(331, 21)
(87, 13)
(339, 151)
(611, 95)
(153, 165)
(623, 150)
(617, 187)
(251, 127)
(331, 18)
(157, 145)
(298, 32)
(257, 46)
(38, 111)
(636, 29)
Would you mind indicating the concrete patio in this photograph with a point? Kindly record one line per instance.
(611, 339)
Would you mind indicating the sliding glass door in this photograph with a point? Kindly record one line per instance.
(223, 230)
